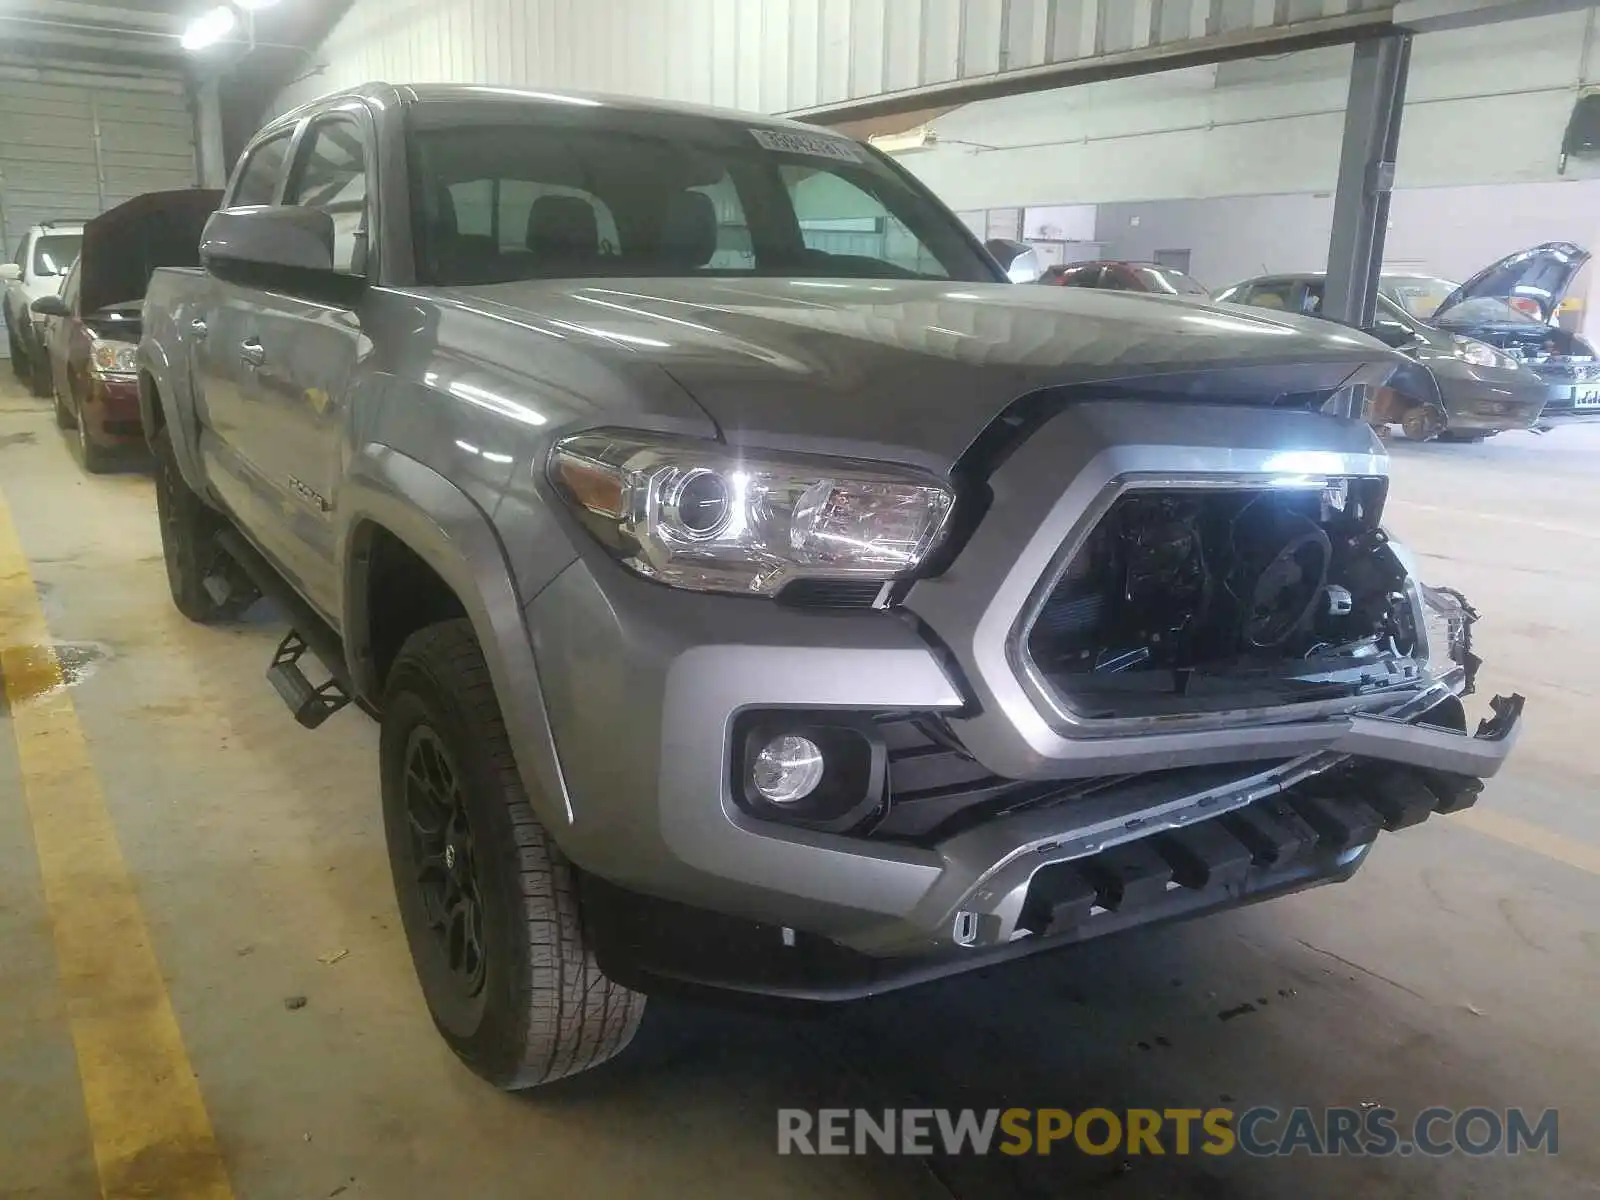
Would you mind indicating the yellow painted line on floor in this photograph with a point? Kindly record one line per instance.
(152, 1137)
(1583, 855)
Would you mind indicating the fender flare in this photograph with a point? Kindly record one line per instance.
(163, 393)
(442, 525)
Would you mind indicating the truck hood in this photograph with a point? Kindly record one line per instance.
(1533, 281)
(914, 370)
(125, 244)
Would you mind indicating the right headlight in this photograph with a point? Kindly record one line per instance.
(1479, 354)
(706, 516)
(112, 359)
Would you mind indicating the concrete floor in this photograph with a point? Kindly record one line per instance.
(1461, 966)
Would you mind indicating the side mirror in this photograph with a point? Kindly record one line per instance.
(10, 272)
(269, 235)
(1397, 337)
(1019, 260)
(49, 306)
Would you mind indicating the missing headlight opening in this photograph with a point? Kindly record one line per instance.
(1211, 599)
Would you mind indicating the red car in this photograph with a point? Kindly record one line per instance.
(92, 331)
(1124, 277)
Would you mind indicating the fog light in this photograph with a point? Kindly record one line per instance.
(787, 769)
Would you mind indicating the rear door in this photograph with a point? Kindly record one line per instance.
(303, 346)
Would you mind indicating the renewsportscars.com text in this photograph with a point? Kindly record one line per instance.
(1260, 1131)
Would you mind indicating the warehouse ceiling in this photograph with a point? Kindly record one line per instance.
(142, 37)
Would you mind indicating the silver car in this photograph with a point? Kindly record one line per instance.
(757, 591)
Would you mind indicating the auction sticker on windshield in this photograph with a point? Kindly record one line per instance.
(789, 142)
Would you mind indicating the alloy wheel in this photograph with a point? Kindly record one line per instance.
(442, 852)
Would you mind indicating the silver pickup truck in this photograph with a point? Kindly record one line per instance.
(758, 592)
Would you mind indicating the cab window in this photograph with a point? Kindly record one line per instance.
(262, 173)
(331, 174)
(840, 219)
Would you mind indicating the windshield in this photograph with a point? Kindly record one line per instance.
(1419, 295)
(1484, 310)
(671, 195)
(1167, 280)
(53, 253)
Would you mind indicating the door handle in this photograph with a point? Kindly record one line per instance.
(253, 352)
(198, 327)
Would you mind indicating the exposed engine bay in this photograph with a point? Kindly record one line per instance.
(1210, 599)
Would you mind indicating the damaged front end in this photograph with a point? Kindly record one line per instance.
(1201, 673)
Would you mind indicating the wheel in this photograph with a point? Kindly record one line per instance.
(490, 906)
(19, 360)
(39, 381)
(65, 418)
(188, 543)
(96, 458)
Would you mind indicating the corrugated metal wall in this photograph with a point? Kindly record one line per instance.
(69, 150)
(764, 55)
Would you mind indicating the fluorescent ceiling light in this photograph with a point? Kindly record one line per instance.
(912, 140)
(209, 28)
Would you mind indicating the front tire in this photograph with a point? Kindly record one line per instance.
(96, 458)
(189, 529)
(490, 906)
(39, 381)
(64, 415)
(19, 360)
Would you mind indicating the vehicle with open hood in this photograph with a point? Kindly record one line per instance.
(1470, 389)
(90, 329)
(1513, 305)
(756, 590)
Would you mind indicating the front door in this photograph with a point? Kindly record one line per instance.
(301, 349)
(215, 327)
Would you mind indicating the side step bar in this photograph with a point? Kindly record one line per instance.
(311, 704)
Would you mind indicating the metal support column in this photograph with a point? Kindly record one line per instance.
(1366, 176)
(213, 171)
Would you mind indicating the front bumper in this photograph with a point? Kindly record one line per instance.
(1479, 406)
(1571, 403)
(111, 411)
(1271, 847)
(644, 685)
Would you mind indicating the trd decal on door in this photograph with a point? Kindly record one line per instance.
(310, 496)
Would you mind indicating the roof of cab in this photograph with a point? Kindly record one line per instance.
(437, 93)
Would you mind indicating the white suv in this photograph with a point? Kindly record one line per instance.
(41, 263)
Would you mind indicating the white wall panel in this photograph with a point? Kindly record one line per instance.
(941, 40)
(773, 55)
(902, 42)
(833, 51)
(980, 36)
(866, 47)
(774, 71)
(749, 56)
(1483, 106)
(805, 20)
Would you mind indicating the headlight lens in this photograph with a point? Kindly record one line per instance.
(1477, 353)
(113, 358)
(701, 515)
